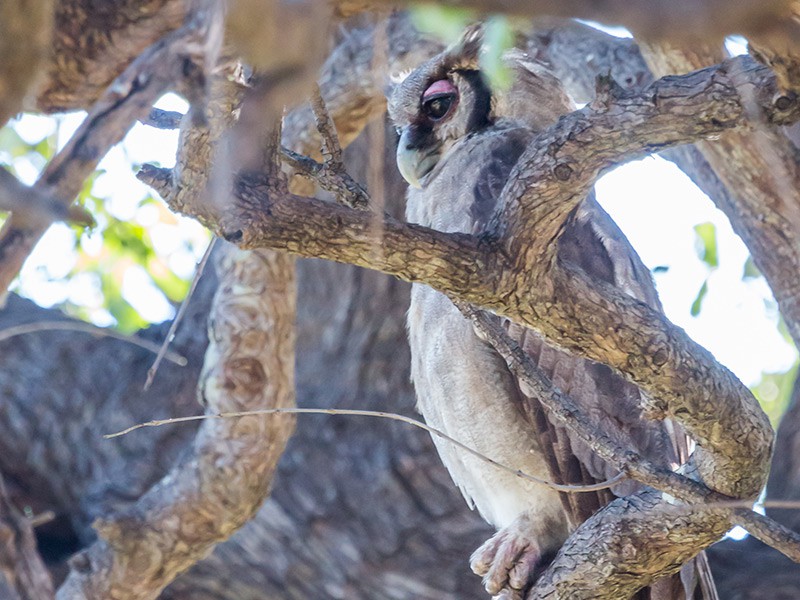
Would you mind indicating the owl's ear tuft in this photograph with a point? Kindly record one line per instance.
(465, 53)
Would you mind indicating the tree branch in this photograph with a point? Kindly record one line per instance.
(637, 536)
(220, 485)
(550, 179)
(31, 206)
(93, 43)
(129, 97)
(760, 172)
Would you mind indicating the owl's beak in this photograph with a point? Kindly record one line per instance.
(415, 159)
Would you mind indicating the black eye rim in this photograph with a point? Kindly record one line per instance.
(450, 97)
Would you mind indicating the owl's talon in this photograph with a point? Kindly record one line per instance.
(508, 561)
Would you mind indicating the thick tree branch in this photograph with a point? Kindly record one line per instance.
(638, 534)
(579, 54)
(94, 42)
(654, 118)
(220, 485)
(551, 178)
(753, 172)
(683, 379)
(309, 227)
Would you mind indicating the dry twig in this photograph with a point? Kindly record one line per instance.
(382, 415)
(331, 174)
(27, 328)
(173, 327)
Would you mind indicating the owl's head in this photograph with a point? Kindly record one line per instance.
(440, 102)
(447, 98)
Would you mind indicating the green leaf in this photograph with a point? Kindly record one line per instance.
(11, 142)
(498, 37)
(445, 22)
(707, 244)
(750, 269)
(698, 301)
(774, 391)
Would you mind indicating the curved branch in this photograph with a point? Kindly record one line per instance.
(551, 178)
(760, 172)
(220, 485)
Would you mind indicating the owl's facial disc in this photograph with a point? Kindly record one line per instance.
(419, 150)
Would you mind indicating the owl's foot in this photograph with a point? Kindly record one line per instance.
(509, 560)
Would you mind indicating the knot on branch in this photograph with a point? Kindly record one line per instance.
(607, 90)
(562, 171)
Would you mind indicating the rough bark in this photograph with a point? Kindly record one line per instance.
(551, 170)
(225, 477)
(94, 42)
(550, 314)
(675, 371)
(735, 562)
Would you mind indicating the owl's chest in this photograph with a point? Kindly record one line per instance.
(465, 390)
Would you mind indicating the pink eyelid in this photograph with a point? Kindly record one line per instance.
(442, 86)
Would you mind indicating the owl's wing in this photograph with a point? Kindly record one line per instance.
(593, 243)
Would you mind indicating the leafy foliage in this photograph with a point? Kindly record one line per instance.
(120, 249)
(706, 245)
(448, 24)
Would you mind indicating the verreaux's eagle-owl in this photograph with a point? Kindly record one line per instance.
(458, 144)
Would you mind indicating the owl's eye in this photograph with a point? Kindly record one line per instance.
(437, 107)
(439, 99)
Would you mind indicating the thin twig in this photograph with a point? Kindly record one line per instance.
(42, 518)
(331, 175)
(344, 188)
(331, 149)
(201, 266)
(383, 415)
(769, 531)
(26, 328)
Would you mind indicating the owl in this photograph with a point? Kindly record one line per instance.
(458, 142)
